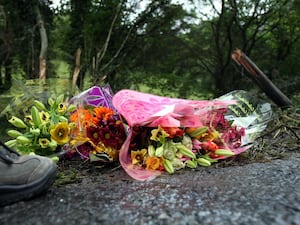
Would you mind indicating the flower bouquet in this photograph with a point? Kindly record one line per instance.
(98, 133)
(168, 134)
(87, 125)
(44, 130)
(148, 134)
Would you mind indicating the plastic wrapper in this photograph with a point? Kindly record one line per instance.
(97, 133)
(169, 134)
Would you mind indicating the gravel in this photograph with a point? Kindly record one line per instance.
(256, 193)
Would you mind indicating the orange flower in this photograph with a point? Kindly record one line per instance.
(174, 131)
(152, 163)
(81, 115)
(102, 113)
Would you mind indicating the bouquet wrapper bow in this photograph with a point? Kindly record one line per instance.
(142, 109)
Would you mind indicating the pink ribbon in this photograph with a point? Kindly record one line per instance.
(181, 115)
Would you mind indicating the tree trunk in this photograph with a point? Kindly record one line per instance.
(44, 46)
(5, 51)
(76, 69)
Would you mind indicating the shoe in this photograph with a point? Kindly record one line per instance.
(23, 176)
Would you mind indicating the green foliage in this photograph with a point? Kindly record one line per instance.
(164, 47)
(171, 85)
(22, 35)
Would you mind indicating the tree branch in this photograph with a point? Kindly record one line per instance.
(99, 60)
(261, 79)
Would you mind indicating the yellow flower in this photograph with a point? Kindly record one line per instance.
(60, 133)
(28, 120)
(62, 108)
(158, 134)
(45, 116)
(213, 135)
(109, 151)
(138, 157)
(44, 142)
(79, 140)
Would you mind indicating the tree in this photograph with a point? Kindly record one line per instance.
(5, 49)
(155, 48)
(22, 19)
(44, 45)
(241, 24)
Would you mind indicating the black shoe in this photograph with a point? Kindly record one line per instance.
(23, 177)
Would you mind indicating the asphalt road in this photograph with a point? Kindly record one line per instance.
(256, 193)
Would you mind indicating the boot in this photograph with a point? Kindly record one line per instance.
(23, 176)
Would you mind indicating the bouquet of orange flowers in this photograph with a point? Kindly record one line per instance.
(97, 133)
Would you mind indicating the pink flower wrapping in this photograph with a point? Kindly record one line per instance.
(157, 114)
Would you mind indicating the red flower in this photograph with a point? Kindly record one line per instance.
(173, 131)
(93, 133)
(216, 119)
(233, 136)
(209, 146)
